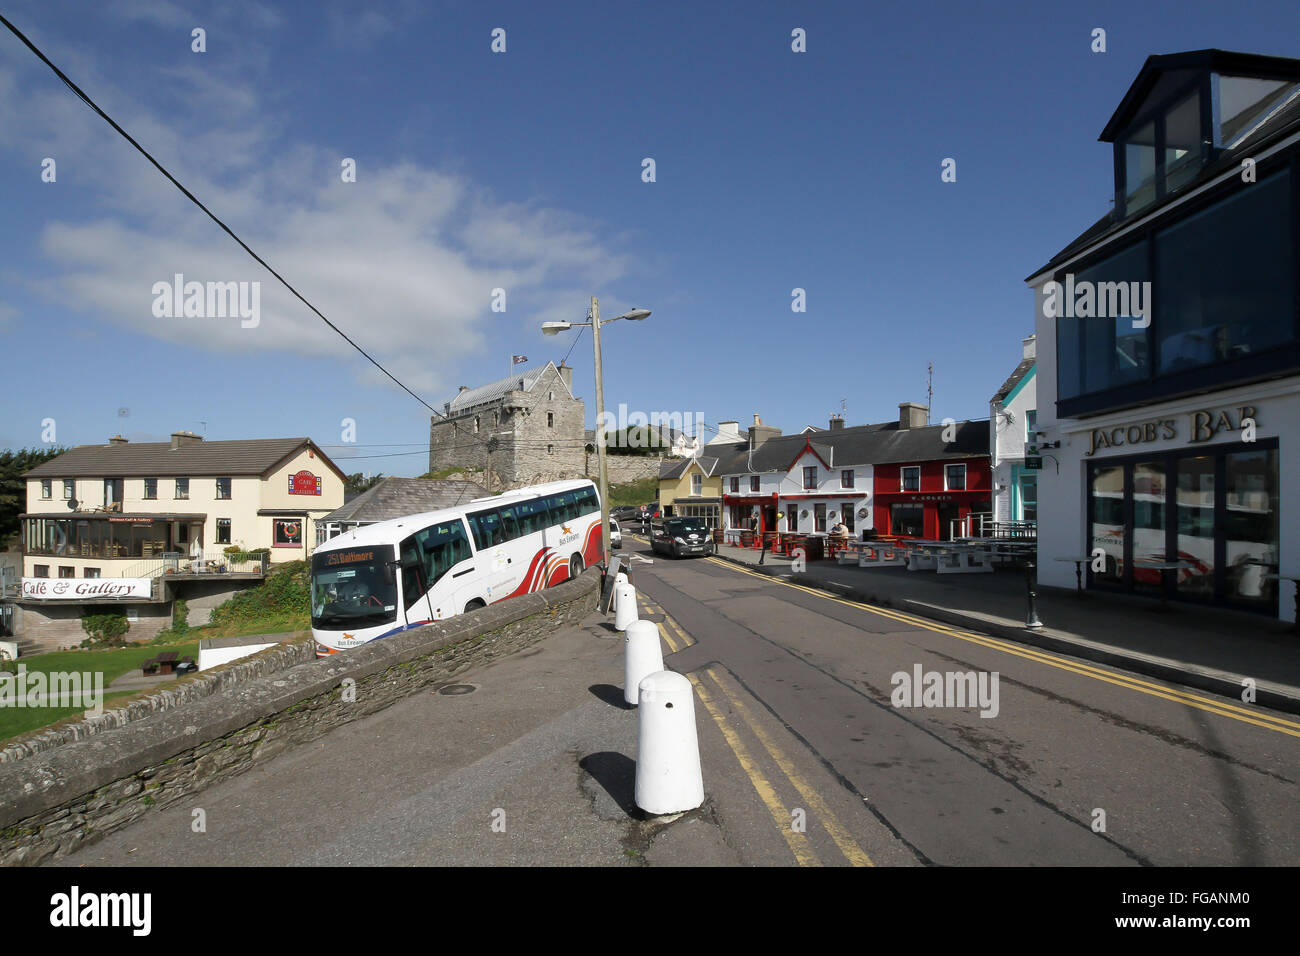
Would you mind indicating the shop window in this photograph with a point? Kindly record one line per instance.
(288, 533)
(223, 531)
(1214, 307)
(810, 478)
(907, 520)
(910, 479)
(954, 477)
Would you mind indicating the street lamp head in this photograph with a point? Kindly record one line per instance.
(555, 328)
(636, 315)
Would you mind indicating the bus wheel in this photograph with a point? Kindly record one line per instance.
(474, 605)
(575, 565)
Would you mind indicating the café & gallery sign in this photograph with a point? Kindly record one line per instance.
(1200, 426)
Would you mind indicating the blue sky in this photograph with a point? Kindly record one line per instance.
(522, 170)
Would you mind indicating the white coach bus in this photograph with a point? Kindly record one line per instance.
(386, 577)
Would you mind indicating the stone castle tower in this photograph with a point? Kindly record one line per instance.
(527, 428)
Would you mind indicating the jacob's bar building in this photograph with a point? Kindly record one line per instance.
(1168, 342)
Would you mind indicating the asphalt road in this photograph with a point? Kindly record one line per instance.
(1082, 764)
(806, 759)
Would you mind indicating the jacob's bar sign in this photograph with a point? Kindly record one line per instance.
(1201, 427)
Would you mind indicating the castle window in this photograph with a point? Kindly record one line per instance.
(550, 449)
(475, 424)
(550, 419)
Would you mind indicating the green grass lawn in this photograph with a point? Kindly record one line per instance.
(634, 492)
(16, 721)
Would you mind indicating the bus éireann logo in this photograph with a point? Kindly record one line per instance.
(565, 530)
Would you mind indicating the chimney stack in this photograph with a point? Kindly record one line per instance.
(566, 373)
(837, 422)
(912, 415)
(1028, 347)
(180, 439)
(759, 433)
(117, 440)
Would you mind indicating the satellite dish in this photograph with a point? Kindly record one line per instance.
(73, 504)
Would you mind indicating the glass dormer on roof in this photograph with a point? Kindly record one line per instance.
(1183, 111)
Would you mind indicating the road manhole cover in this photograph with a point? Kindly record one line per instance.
(456, 690)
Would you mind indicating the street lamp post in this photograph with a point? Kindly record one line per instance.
(553, 328)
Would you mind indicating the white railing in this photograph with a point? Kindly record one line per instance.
(983, 525)
(212, 562)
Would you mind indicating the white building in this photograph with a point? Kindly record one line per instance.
(1012, 417)
(1170, 332)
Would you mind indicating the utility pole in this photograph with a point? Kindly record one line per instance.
(600, 432)
(929, 391)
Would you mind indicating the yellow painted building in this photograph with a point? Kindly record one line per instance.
(691, 487)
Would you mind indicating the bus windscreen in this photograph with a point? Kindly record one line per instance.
(353, 588)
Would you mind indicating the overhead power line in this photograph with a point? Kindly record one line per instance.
(81, 95)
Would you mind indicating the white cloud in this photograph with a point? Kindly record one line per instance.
(404, 260)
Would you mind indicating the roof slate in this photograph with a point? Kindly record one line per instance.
(523, 382)
(398, 497)
(1020, 372)
(254, 456)
(879, 444)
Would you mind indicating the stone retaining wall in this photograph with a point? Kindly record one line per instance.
(56, 801)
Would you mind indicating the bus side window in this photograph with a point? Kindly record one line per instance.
(413, 581)
(509, 528)
(487, 529)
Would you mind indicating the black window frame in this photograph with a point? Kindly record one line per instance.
(1242, 370)
(150, 493)
(223, 525)
(1169, 460)
(229, 488)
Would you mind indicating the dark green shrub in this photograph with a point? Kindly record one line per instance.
(108, 628)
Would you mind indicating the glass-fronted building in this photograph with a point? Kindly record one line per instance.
(1169, 346)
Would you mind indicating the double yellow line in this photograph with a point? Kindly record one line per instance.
(682, 640)
(784, 818)
(1259, 718)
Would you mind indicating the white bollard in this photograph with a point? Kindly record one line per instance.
(642, 657)
(668, 778)
(624, 606)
